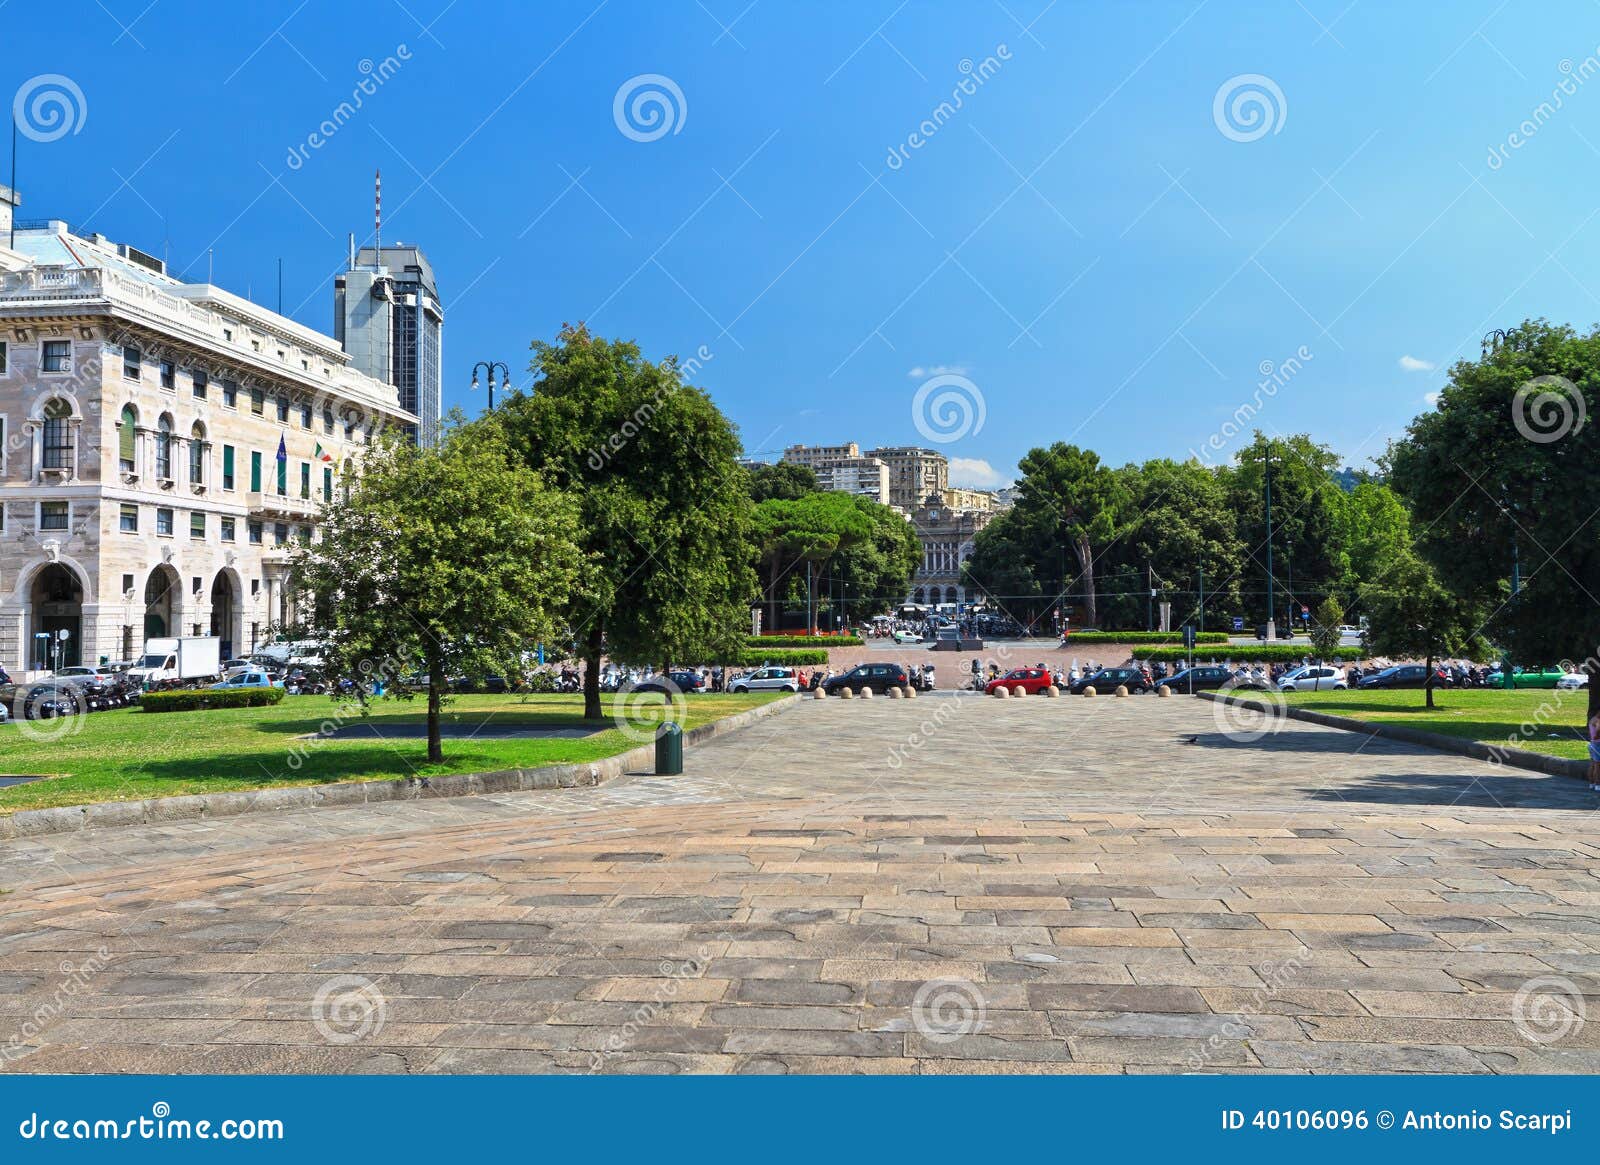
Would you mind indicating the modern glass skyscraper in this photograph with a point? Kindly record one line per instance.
(388, 317)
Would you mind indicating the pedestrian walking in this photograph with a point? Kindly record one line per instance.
(1594, 751)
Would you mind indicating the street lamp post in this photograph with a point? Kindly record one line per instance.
(1272, 598)
(492, 366)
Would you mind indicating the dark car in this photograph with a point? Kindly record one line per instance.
(683, 681)
(880, 677)
(1405, 675)
(43, 699)
(1108, 679)
(1209, 678)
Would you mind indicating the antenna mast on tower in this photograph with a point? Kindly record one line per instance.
(377, 217)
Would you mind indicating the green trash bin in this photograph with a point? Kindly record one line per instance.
(669, 750)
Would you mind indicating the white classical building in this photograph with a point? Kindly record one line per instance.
(161, 445)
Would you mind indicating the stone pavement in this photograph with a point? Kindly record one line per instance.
(943, 885)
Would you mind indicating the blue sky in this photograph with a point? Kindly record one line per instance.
(1085, 243)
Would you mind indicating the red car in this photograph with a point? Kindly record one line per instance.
(1033, 680)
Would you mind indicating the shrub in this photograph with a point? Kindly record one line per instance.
(803, 641)
(1159, 637)
(779, 657)
(1246, 653)
(206, 700)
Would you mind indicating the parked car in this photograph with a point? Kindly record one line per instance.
(1032, 680)
(1404, 675)
(1576, 679)
(1525, 677)
(43, 699)
(1209, 677)
(683, 681)
(1316, 677)
(880, 677)
(907, 637)
(247, 679)
(767, 679)
(1108, 679)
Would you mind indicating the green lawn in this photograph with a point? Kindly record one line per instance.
(1545, 721)
(127, 754)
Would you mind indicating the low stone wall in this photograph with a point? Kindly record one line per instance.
(1495, 754)
(157, 810)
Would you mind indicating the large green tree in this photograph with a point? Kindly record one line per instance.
(1179, 533)
(1067, 491)
(784, 480)
(874, 574)
(793, 538)
(664, 513)
(450, 557)
(1412, 614)
(1308, 560)
(1506, 471)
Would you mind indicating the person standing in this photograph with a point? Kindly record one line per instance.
(1594, 752)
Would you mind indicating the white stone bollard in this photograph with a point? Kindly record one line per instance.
(1089, 691)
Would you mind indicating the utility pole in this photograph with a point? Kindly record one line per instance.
(1201, 572)
(1150, 597)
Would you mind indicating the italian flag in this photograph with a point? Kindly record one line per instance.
(323, 454)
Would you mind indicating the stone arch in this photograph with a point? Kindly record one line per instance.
(55, 599)
(227, 610)
(163, 603)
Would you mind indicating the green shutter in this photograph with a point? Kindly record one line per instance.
(227, 467)
(255, 471)
(283, 476)
(327, 484)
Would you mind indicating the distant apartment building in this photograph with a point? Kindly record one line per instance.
(814, 456)
(864, 476)
(957, 498)
(915, 475)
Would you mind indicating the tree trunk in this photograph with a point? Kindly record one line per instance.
(436, 684)
(1091, 607)
(591, 671)
(1427, 684)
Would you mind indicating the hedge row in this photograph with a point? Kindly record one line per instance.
(205, 700)
(823, 641)
(780, 657)
(1245, 653)
(1159, 637)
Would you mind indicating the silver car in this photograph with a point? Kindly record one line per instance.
(1314, 678)
(767, 679)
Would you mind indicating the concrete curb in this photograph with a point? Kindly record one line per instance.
(1495, 754)
(205, 806)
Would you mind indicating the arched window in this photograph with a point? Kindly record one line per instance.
(197, 454)
(128, 440)
(58, 435)
(164, 448)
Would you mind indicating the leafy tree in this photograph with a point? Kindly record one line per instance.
(1325, 629)
(449, 556)
(1413, 614)
(664, 515)
(876, 572)
(1181, 531)
(1307, 556)
(1374, 530)
(1066, 491)
(1506, 471)
(783, 480)
(1008, 557)
(802, 534)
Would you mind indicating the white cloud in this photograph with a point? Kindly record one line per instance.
(975, 473)
(1432, 398)
(1412, 364)
(921, 373)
